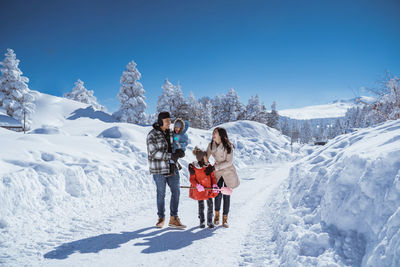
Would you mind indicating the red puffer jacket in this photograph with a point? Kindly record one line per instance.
(200, 177)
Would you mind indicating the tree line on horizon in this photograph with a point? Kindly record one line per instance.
(203, 113)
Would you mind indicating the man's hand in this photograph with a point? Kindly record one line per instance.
(180, 153)
(174, 156)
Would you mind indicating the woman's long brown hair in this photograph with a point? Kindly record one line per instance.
(224, 139)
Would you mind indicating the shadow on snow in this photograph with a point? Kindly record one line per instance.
(156, 241)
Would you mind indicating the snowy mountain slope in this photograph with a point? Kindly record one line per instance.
(331, 110)
(334, 109)
(71, 178)
(341, 205)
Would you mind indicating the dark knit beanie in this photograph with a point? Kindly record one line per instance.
(161, 116)
(164, 115)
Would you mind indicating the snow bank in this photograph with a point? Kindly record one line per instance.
(342, 203)
(53, 110)
(256, 142)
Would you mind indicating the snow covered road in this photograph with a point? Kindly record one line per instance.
(131, 239)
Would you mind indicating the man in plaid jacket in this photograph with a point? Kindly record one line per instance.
(162, 167)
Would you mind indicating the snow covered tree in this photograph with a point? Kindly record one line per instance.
(15, 96)
(81, 94)
(131, 96)
(218, 110)
(168, 93)
(208, 117)
(385, 107)
(178, 105)
(253, 109)
(273, 120)
(306, 132)
(196, 112)
(231, 107)
(320, 134)
(173, 101)
(295, 132)
(207, 105)
(285, 127)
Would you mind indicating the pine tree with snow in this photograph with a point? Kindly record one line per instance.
(208, 117)
(285, 127)
(273, 120)
(231, 106)
(295, 132)
(15, 96)
(320, 134)
(168, 93)
(253, 109)
(218, 110)
(131, 96)
(306, 132)
(197, 112)
(178, 104)
(81, 94)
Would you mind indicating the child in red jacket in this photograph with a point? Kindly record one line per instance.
(201, 177)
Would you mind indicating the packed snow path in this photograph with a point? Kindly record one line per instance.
(132, 239)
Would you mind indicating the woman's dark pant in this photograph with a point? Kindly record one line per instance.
(209, 210)
(218, 199)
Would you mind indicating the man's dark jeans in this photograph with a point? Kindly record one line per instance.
(173, 182)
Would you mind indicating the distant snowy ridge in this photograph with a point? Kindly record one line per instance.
(342, 203)
(333, 109)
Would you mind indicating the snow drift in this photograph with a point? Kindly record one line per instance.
(342, 203)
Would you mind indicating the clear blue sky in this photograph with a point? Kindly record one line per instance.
(295, 52)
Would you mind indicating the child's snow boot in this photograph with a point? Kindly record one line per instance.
(202, 224)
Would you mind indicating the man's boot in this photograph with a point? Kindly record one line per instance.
(175, 222)
(225, 221)
(216, 218)
(160, 222)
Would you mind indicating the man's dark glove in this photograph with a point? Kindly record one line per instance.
(191, 169)
(209, 169)
(180, 153)
(174, 156)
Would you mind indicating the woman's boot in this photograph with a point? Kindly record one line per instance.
(225, 221)
(216, 218)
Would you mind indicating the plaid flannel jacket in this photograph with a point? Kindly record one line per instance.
(157, 151)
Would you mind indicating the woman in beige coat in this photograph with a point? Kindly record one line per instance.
(222, 151)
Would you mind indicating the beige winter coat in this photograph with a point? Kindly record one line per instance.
(224, 165)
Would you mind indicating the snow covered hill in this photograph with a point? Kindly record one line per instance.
(341, 205)
(70, 174)
(334, 109)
